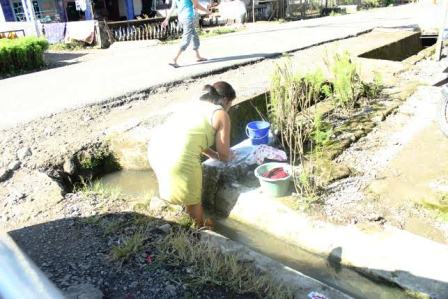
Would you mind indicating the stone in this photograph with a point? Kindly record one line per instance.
(4, 174)
(14, 165)
(87, 117)
(166, 228)
(48, 132)
(157, 204)
(23, 153)
(171, 290)
(69, 166)
(83, 291)
(15, 196)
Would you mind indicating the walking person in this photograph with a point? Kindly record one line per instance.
(186, 10)
(174, 152)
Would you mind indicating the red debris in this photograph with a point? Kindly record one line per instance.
(276, 173)
(149, 259)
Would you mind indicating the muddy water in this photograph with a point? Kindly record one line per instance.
(132, 184)
(323, 269)
(136, 184)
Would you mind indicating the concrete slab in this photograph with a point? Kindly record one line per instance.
(133, 73)
(300, 284)
(414, 263)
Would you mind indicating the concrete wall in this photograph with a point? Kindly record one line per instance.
(399, 50)
(27, 26)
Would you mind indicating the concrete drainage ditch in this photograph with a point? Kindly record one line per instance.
(315, 248)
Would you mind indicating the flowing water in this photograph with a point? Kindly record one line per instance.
(135, 184)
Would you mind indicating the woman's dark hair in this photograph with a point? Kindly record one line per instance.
(220, 93)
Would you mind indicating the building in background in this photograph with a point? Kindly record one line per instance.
(47, 11)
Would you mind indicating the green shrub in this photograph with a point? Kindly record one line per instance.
(22, 54)
(347, 84)
(301, 128)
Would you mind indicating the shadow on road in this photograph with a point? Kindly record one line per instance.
(54, 59)
(255, 56)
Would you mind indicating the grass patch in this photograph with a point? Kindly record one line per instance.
(144, 204)
(439, 206)
(99, 189)
(128, 248)
(70, 46)
(183, 248)
(217, 32)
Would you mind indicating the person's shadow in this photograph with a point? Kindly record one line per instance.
(253, 57)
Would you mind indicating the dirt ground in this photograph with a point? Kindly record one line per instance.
(54, 223)
(398, 167)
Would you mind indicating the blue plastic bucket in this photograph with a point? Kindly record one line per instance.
(262, 140)
(257, 129)
(258, 132)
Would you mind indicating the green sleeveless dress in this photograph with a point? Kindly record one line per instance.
(174, 153)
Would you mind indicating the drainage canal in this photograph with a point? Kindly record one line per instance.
(135, 185)
(402, 49)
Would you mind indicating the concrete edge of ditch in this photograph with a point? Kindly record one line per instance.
(299, 283)
(416, 264)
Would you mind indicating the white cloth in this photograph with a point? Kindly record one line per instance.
(263, 152)
(81, 31)
(245, 153)
(232, 10)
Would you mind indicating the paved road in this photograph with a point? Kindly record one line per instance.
(130, 70)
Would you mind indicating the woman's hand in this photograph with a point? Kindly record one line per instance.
(215, 155)
(211, 154)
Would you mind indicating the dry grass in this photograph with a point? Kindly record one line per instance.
(128, 248)
(292, 113)
(211, 267)
(99, 189)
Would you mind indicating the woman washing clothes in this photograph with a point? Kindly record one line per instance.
(175, 151)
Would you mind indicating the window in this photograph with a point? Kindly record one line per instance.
(20, 13)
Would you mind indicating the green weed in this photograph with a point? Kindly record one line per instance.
(99, 189)
(301, 129)
(97, 161)
(128, 248)
(322, 131)
(211, 267)
(143, 205)
(217, 31)
(70, 46)
(347, 85)
(185, 220)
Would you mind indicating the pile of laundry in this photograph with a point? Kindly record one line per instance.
(83, 31)
(276, 173)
